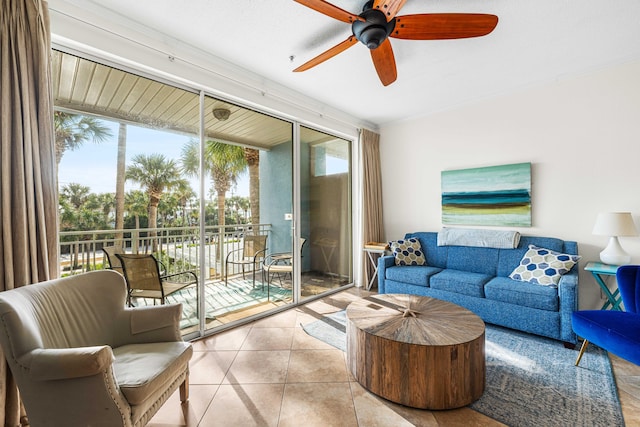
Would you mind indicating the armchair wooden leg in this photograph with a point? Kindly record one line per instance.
(184, 390)
(582, 349)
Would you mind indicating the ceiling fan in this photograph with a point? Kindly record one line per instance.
(378, 22)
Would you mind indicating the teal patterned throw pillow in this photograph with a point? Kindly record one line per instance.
(543, 266)
(408, 252)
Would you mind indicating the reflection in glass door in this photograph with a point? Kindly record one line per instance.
(325, 217)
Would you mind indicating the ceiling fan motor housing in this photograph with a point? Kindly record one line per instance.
(374, 30)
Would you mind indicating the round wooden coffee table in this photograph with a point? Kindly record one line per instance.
(417, 351)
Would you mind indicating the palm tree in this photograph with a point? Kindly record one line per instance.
(136, 204)
(155, 174)
(73, 130)
(244, 205)
(167, 210)
(184, 193)
(107, 204)
(76, 194)
(81, 210)
(223, 161)
(120, 178)
(252, 157)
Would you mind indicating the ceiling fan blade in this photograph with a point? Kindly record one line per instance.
(438, 26)
(385, 63)
(389, 7)
(340, 47)
(330, 10)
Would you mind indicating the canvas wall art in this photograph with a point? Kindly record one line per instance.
(495, 195)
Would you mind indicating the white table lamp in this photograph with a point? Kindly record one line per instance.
(615, 224)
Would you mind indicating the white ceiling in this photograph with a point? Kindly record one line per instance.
(535, 42)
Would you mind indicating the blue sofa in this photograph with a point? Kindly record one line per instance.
(478, 278)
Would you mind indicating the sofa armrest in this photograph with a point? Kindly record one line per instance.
(158, 323)
(384, 262)
(67, 363)
(568, 299)
(568, 292)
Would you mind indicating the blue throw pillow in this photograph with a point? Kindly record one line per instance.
(408, 252)
(543, 266)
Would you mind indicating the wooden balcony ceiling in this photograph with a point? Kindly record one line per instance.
(86, 87)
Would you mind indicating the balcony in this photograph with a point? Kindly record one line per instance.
(179, 249)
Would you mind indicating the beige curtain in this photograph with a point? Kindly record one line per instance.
(372, 225)
(28, 194)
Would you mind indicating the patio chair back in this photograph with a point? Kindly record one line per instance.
(110, 255)
(253, 245)
(144, 279)
(142, 274)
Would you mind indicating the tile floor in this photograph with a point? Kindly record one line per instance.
(271, 373)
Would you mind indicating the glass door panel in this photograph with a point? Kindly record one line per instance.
(247, 160)
(123, 185)
(325, 221)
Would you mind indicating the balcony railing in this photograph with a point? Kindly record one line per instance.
(177, 247)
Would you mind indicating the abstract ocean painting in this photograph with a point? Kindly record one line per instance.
(494, 195)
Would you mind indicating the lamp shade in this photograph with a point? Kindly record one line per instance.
(615, 224)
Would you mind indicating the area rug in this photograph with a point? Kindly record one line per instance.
(220, 299)
(531, 381)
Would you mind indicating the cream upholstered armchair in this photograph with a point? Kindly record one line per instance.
(81, 358)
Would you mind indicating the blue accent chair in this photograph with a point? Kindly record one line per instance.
(615, 331)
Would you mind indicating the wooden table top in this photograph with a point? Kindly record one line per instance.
(415, 319)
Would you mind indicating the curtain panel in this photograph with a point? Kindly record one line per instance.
(372, 225)
(28, 193)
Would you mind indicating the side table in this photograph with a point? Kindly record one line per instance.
(372, 249)
(599, 272)
(327, 244)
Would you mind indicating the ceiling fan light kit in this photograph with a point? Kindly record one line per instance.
(374, 29)
(221, 114)
(378, 22)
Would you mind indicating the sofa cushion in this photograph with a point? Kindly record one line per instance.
(522, 293)
(407, 252)
(543, 266)
(461, 282)
(412, 274)
(473, 259)
(141, 370)
(436, 255)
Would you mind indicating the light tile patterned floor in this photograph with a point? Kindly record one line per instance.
(271, 373)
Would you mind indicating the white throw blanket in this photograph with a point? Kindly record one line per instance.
(501, 239)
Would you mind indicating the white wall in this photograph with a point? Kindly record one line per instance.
(582, 136)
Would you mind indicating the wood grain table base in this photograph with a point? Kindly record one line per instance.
(416, 351)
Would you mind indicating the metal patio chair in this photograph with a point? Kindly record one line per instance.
(142, 273)
(251, 254)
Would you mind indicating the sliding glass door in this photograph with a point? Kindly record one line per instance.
(247, 171)
(325, 212)
(258, 207)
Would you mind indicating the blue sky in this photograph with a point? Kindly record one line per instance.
(94, 164)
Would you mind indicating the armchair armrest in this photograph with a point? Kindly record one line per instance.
(66, 363)
(158, 323)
